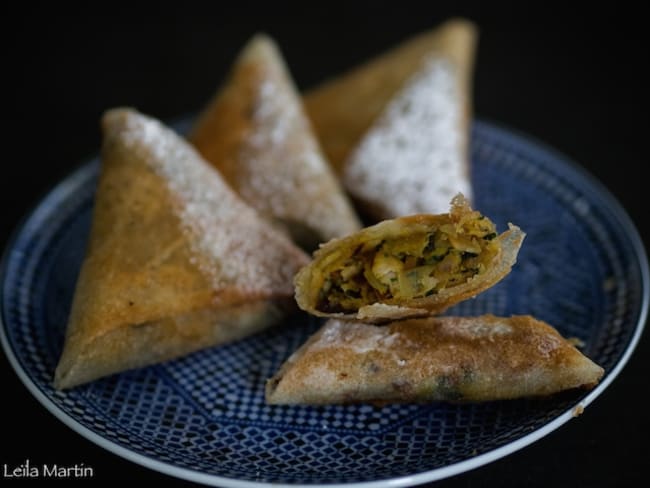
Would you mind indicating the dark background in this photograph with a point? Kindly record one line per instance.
(572, 79)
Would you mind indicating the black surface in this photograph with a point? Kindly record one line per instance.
(574, 80)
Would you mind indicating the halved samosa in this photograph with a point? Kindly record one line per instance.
(176, 261)
(468, 359)
(256, 133)
(399, 124)
(408, 267)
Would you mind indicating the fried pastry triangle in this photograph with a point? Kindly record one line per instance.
(396, 129)
(176, 261)
(256, 133)
(408, 267)
(433, 359)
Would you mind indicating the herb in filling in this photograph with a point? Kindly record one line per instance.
(413, 266)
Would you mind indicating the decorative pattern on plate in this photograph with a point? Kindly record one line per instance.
(582, 268)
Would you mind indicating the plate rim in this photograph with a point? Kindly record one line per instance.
(501, 130)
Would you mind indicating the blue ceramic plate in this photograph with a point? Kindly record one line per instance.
(582, 268)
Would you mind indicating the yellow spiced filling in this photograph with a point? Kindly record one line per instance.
(413, 266)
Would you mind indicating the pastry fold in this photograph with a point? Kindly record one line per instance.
(256, 133)
(456, 359)
(407, 267)
(399, 124)
(175, 262)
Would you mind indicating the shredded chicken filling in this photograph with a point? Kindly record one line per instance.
(413, 266)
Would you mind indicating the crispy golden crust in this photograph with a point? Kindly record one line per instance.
(175, 260)
(255, 132)
(433, 359)
(344, 108)
(134, 345)
(310, 279)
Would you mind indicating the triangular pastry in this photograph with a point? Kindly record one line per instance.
(256, 133)
(408, 267)
(396, 129)
(176, 261)
(457, 359)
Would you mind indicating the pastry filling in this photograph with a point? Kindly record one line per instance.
(413, 266)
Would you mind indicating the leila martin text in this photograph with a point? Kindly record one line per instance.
(29, 470)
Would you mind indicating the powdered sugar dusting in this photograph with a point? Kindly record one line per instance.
(473, 329)
(361, 338)
(320, 375)
(547, 344)
(231, 244)
(413, 159)
(282, 171)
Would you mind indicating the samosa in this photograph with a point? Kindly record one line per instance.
(453, 359)
(408, 267)
(256, 133)
(176, 261)
(397, 128)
